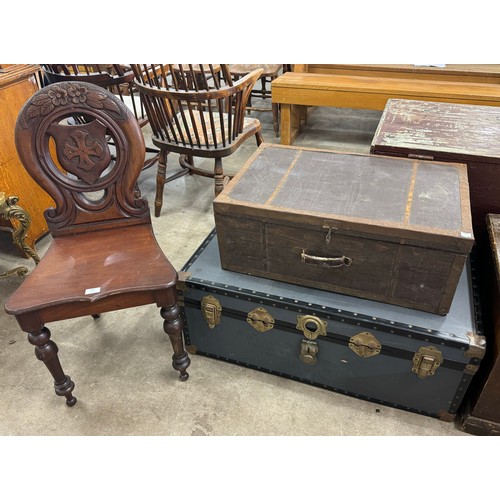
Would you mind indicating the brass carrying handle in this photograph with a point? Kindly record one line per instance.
(325, 261)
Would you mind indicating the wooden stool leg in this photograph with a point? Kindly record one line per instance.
(46, 351)
(218, 176)
(173, 328)
(160, 182)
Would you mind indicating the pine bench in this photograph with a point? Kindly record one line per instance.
(294, 91)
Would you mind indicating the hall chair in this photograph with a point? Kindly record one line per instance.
(117, 78)
(196, 115)
(103, 255)
(269, 73)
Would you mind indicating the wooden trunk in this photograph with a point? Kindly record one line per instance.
(382, 353)
(449, 132)
(481, 413)
(386, 229)
(17, 85)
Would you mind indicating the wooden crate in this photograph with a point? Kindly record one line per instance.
(385, 229)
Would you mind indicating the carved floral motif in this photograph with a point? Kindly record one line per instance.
(67, 93)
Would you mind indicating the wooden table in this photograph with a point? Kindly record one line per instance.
(476, 73)
(369, 88)
(17, 84)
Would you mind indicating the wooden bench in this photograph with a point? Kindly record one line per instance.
(476, 73)
(294, 91)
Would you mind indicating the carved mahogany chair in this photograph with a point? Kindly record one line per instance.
(117, 78)
(269, 73)
(103, 255)
(195, 116)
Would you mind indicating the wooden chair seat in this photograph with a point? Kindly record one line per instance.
(269, 73)
(81, 270)
(267, 69)
(193, 133)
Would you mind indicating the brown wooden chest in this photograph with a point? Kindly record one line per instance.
(449, 132)
(481, 412)
(386, 229)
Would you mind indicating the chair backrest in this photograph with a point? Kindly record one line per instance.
(84, 147)
(194, 106)
(117, 78)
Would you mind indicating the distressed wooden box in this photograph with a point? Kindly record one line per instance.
(408, 359)
(439, 131)
(387, 229)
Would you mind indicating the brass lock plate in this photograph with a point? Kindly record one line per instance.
(426, 361)
(365, 344)
(260, 319)
(211, 310)
(311, 326)
(308, 352)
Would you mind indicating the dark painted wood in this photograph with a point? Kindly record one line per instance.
(481, 414)
(392, 230)
(197, 111)
(448, 132)
(103, 256)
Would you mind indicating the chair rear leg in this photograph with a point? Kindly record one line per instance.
(258, 138)
(276, 118)
(173, 328)
(46, 351)
(218, 176)
(160, 182)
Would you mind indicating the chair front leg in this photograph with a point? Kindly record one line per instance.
(46, 351)
(173, 328)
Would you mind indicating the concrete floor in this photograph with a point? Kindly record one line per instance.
(121, 363)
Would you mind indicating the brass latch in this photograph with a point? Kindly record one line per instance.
(308, 351)
(260, 319)
(211, 310)
(311, 326)
(426, 361)
(365, 345)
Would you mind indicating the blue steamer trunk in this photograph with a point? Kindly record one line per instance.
(400, 357)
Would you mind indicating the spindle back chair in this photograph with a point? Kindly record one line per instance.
(196, 111)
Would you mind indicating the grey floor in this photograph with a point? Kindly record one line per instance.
(120, 363)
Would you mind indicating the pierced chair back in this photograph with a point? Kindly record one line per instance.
(117, 78)
(90, 184)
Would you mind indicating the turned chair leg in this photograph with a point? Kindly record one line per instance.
(160, 181)
(46, 351)
(173, 328)
(218, 176)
